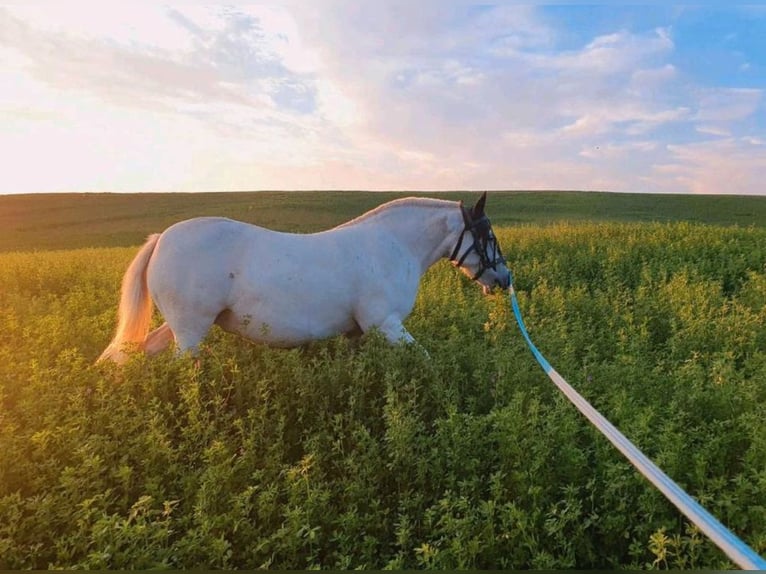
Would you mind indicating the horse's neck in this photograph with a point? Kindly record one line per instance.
(430, 232)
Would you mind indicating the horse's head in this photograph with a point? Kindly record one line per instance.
(480, 257)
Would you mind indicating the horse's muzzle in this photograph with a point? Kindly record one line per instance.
(503, 281)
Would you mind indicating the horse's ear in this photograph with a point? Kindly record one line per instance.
(466, 213)
(478, 209)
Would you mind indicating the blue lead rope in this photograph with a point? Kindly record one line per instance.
(739, 552)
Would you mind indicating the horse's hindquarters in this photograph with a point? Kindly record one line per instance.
(190, 277)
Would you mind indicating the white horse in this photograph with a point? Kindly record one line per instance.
(285, 289)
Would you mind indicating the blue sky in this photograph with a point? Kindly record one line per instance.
(342, 94)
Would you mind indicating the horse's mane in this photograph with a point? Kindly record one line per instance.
(429, 202)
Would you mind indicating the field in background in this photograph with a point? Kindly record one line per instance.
(66, 221)
(357, 454)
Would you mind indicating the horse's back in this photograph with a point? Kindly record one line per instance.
(213, 241)
(207, 230)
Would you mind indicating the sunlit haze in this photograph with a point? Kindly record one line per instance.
(400, 95)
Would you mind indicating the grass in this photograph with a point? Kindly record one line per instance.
(68, 221)
(361, 455)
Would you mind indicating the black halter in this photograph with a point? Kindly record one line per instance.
(483, 240)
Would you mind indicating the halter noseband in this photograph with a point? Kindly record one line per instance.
(481, 232)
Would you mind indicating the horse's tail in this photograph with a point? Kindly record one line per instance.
(135, 311)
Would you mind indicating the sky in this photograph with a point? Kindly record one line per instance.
(381, 95)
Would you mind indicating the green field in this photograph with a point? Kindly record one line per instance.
(67, 221)
(355, 454)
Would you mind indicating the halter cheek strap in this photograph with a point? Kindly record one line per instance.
(459, 244)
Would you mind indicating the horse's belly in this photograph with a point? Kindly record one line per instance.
(286, 325)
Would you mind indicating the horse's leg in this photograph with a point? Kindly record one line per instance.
(190, 330)
(158, 340)
(394, 331)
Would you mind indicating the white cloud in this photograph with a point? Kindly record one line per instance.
(727, 104)
(723, 166)
(653, 79)
(713, 130)
(226, 93)
(609, 54)
(619, 150)
(131, 25)
(434, 94)
(188, 54)
(109, 149)
(458, 92)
